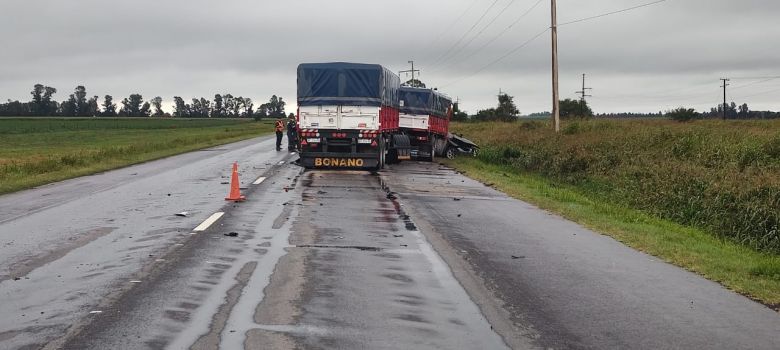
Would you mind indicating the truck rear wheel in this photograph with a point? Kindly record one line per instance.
(382, 156)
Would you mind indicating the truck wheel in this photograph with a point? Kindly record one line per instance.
(450, 153)
(382, 156)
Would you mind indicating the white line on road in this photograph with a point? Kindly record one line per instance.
(211, 220)
(259, 180)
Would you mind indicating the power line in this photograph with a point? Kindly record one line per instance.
(754, 83)
(611, 13)
(760, 94)
(498, 59)
(458, 51)
(756, 78)
(438, 37)
(466, 33)
(497, 36)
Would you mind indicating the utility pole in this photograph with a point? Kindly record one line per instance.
(725, 84)
(556, 101)
(583, 95)
(410, 71)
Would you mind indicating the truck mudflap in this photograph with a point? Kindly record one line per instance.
(339, 160)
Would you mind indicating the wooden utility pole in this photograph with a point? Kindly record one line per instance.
(583, 95)
(410, 71)
(556, 114)
(725, 84)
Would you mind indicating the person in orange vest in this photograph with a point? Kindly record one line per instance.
(279, 127)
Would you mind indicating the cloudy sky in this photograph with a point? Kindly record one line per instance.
(653, 58)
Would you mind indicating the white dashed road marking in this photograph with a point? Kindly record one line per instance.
(211, 220)
(259, 180)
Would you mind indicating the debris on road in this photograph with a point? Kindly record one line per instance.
(398, 236)
(232, 234)
(456, 199)
(183, 214)
(518, 257)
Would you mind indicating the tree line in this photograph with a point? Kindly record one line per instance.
(78, 104)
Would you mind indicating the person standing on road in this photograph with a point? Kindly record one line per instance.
(292, 134)
(279, 127)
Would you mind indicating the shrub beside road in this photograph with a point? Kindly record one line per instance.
(702, 195)
(36, 151)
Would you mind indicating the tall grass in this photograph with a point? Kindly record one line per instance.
(723, 177)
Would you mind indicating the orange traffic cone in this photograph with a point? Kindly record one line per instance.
(235, 186)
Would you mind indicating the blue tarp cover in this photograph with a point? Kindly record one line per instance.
(343, 83)
(424, 101)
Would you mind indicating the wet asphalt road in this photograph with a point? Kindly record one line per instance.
(414, 257)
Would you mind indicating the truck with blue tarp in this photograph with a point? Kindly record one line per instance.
(348, 115)
(424, 121)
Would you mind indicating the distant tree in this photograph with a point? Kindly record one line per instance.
(50, 107)
(145, 109)
(570, 108)
(157, 104)
(506, 110)
(248, 105)
(276, 107)
(486, 115)
(682, 114)
(200, 108)
(219, 107)
(93, 108)
(132, 105)
(69, 108)
(231, 105)
(37, 103)
(80, 93)
(180, 109)
(109, 107)
(744, 111)
(261, 112)
(414, 83)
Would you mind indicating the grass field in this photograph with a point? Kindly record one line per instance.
(704, 195)
(35, 151)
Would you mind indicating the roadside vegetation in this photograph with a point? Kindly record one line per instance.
(36, 151)
(702, 195)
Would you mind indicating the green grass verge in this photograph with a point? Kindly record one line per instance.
(741, 269)
(44, 150)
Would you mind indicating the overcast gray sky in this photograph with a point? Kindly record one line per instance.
(649, 59)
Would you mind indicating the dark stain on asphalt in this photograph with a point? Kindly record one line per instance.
(399, 277)
(412, 318)
(188, 306)
(362, 248)
(178, 315)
